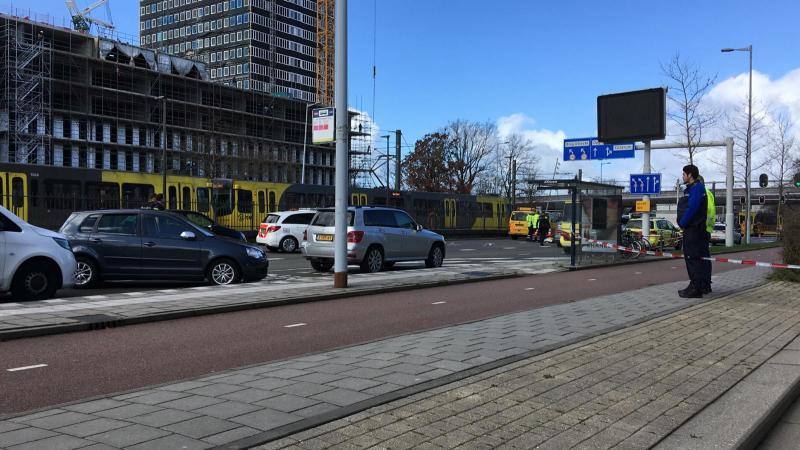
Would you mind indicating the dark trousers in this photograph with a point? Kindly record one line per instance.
(542, 235)
(530, 232)
(695, 247)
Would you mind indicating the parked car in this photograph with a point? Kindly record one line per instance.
(377, 237)
(34, 262)
(140, 244)
(204, 221)
(284, 230)
(718, 235)
(663, 233)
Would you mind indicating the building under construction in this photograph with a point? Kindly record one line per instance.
(73, 100)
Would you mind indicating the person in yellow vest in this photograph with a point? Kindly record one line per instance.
(530, 219)
(535, 225)
(711, 219)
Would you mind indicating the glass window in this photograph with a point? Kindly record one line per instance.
(272, 218)
(17, 192)
(118, 224)
(404, 221)
(164, 227)
(327, 219)
(87, 226)
(199, 219)
(262, 202)
(302, 218)
(202, 199)
(272, 205)
(379, 218)
(244, 201)
(187, 198)
(519, 216)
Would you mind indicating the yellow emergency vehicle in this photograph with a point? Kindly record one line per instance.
(517, 223)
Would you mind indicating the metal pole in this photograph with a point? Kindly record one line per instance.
(514, 184)
(305, 139)
(387, 170)
(164, 148)
(729, 224)
(342, 144)
(398, 135)
(749, 145)
(646, 215)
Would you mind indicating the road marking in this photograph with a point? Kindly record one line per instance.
(438, 303)
(592, 279)
(637, 273)
(467, 249)
(529, 289)
(509, 248)
(17, 369)
(55, 300)
(674, 267)
(295, 325)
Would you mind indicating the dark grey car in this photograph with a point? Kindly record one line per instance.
(156, 245)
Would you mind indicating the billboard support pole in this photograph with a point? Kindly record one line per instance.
(646, 198)
(729, 224)
(342, 144)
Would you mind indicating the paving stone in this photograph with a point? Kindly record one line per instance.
(341, 397)
(53, 443)
(127, 436)
(265, 419)
(250, 395)
(314, 410)
(269, 383)
(287, 403)
(191, 402)
(226, 409)
(173, 441)
(95, 405)
(304, 389)
(45, 413)
(185, 386)
(91, 427)
(127, 411)
(355, 384)
(229, 436)
(23, 435)
(156, 397)
(201, 427)
(163, 417)
(59, 420)
(216, 390)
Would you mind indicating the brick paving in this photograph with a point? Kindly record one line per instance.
(627, 389)
(261, 401)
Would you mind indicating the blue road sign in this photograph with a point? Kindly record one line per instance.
(585, 149)
(646, 183)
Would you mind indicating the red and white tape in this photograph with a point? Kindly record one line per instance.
(748, 262)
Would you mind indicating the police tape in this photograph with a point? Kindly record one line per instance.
(657, 253)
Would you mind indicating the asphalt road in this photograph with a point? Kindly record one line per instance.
(293, 264)
(82, 365)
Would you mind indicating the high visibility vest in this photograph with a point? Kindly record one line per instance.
(529, 219)
(711, 214)
(536, 220)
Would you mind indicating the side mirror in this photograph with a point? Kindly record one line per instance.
(188, 236)
(418, 227)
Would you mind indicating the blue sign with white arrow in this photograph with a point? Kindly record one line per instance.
(586, 149)
(646, 183)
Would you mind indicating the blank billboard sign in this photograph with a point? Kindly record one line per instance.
(632, 116)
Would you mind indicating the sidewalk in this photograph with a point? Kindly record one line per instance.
(30, 319)
(257, 404)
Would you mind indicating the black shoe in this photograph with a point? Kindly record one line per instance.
(690, 293)
(707, 290)
(683, 292)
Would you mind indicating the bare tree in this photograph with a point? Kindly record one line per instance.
(781, 153)
(471, 147)
(736, 126)
(687, 87)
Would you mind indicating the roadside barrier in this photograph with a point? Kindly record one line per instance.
(748, 262)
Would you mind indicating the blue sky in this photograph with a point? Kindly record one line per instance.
(546, 61)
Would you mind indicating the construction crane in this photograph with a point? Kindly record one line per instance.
(325, 50)
(82, 20)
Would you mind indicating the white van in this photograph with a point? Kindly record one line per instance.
(283, 230)
(34, 262)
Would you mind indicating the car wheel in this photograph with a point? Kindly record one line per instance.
(373, 260)
(223, 272)
(435, 257)
(35, 282)
(289, 244)
(321, 266)
(86, 274)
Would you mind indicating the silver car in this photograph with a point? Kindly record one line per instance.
(377, 237)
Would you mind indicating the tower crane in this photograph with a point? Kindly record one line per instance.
(82, 20)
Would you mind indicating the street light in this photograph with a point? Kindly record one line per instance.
(163, 101)
(748, 150)
(603, 163)
(305, 140)
(387, 167)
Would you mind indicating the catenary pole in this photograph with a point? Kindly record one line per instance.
(729, 224)
(646, 198)
(342, 144)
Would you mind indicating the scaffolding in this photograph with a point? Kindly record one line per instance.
(25, 113)
(325, 51)
(361, 152)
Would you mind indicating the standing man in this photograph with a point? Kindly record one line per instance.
(711, 219)
(535, 224)
(692, 211)
(529, 219)
(544, 228)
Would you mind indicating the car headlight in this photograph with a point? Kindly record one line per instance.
(63, 243)
(255, 253)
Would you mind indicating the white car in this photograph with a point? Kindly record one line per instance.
(34, 262)
(284, 230)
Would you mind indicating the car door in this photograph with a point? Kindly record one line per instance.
(117, 243)
(296, 224)
(381, 222)
(414, 244)
(666, 232)
(165, 254)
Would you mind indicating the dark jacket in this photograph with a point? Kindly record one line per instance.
(693, 207)
(544, 223)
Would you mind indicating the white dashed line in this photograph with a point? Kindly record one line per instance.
(467, 249)
(529, 289)
(637, 273)
(438, 303)
(295, 325)
(17, 369)
(592, 279)
(55, 300)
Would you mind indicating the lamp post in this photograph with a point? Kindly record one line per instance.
(163, 101)
(387, 167)
(748, 151)
(603, 163)
(305, 140)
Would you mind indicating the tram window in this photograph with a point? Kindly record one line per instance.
(244, 201)
(187, 198)
(272, 206)
(33, 192)
(172, 197)
(2, 197)
(262, 202)
(62, 194)
(222, 202)
(17, 192)
(136, 195)
(102, 195)
(202, 199)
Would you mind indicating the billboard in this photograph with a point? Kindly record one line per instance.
(323, 127)
(632, 116)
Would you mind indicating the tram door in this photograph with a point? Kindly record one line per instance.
(358, 199)
(173, 196)
(13, 193)
(449, 213)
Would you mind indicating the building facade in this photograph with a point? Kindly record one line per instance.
(260, 45)
(73, 100)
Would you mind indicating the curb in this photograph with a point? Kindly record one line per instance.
(122, 321)
(656, 259)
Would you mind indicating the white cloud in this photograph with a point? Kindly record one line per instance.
(547, 144)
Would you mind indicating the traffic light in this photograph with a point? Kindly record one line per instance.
(763, 180)
(797, 179)
(761, 199)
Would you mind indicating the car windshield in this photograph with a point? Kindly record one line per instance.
(199, 219)
(272, 218)
(519, 215)
(326, 219)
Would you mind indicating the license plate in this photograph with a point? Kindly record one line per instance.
(325, 237)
